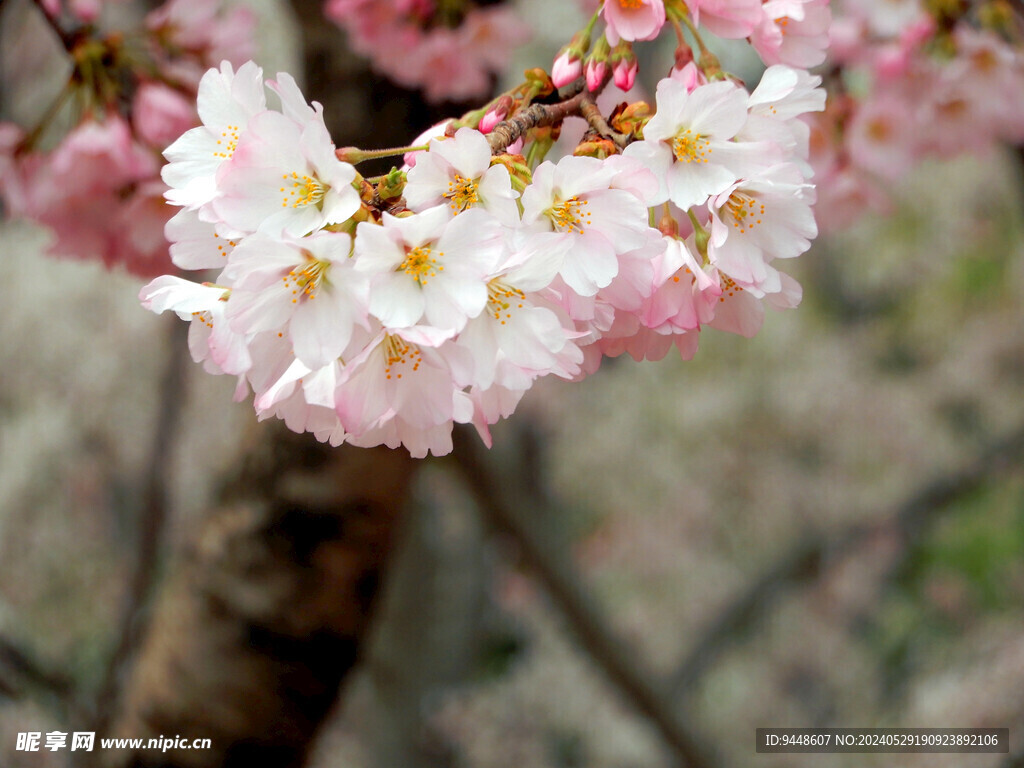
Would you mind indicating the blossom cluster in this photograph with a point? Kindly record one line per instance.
(910, 83)
(792, 32)
(99, 189)
(450, 54)
(385, 313)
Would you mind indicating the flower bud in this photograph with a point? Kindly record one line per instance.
(565, 69)
(495, 114)
(569, 64)
(596, 69)
(631, 118)
(667, 225)
(392, 185)
(596, 73)
(624, 65)
(596, 146)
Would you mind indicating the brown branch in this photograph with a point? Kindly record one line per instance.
(506, 507)
(535, 116)
(590, 112)
(810, 558)
(19, 668)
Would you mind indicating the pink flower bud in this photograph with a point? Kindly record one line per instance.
(490, 119)
(495, 115)
(624, 74)
(566, 69)
(597, 73)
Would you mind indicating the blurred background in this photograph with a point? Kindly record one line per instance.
(819, 526)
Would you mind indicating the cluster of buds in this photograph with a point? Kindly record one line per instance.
(793, 32)
(384, 311)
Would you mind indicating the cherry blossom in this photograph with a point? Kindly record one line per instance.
(284, 177)
(457, 172)
(429, 266)
(304, 288)
(687, 141)
(633, 19)
(226, 102)
(573, 200)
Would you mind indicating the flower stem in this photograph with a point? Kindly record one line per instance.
(355, 155)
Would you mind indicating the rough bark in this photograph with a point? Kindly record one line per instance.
(265, 611)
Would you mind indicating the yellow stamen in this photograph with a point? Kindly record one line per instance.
(227, 143)
(399, 353)
(421, 264)
(690, 147)
(568, 215)
(304, 190)
(305, 280)
(744, 210)
(500, 298)
(463, 193)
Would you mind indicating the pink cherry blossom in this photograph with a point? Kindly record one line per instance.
(731, 19)
(284, 177)
(306, 289)
(793, 32)
(431, 265)
(761, 218)
(457, 172)
(210, 340)
(575, 200)
(633, 19)
(687, 141)
(226, 102)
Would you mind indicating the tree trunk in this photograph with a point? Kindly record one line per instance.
(264, 613)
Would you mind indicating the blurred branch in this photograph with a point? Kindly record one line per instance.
(18, 667)
(510, 507)
(809, 559)
(152, 517)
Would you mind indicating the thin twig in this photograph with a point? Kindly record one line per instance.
(589, 111)
(152, 521)
(810, 558)
(505, 507)
(18, 666)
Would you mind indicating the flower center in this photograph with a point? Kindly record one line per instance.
(744, 210)
(421, 264)
(463, 193)
(690, 147)
(227, 143)
(500, 298)
(631, 5)
(729, 287)
(399, 353)
(305, 279)
(302, 190)
(204, 317)
(568, 215)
